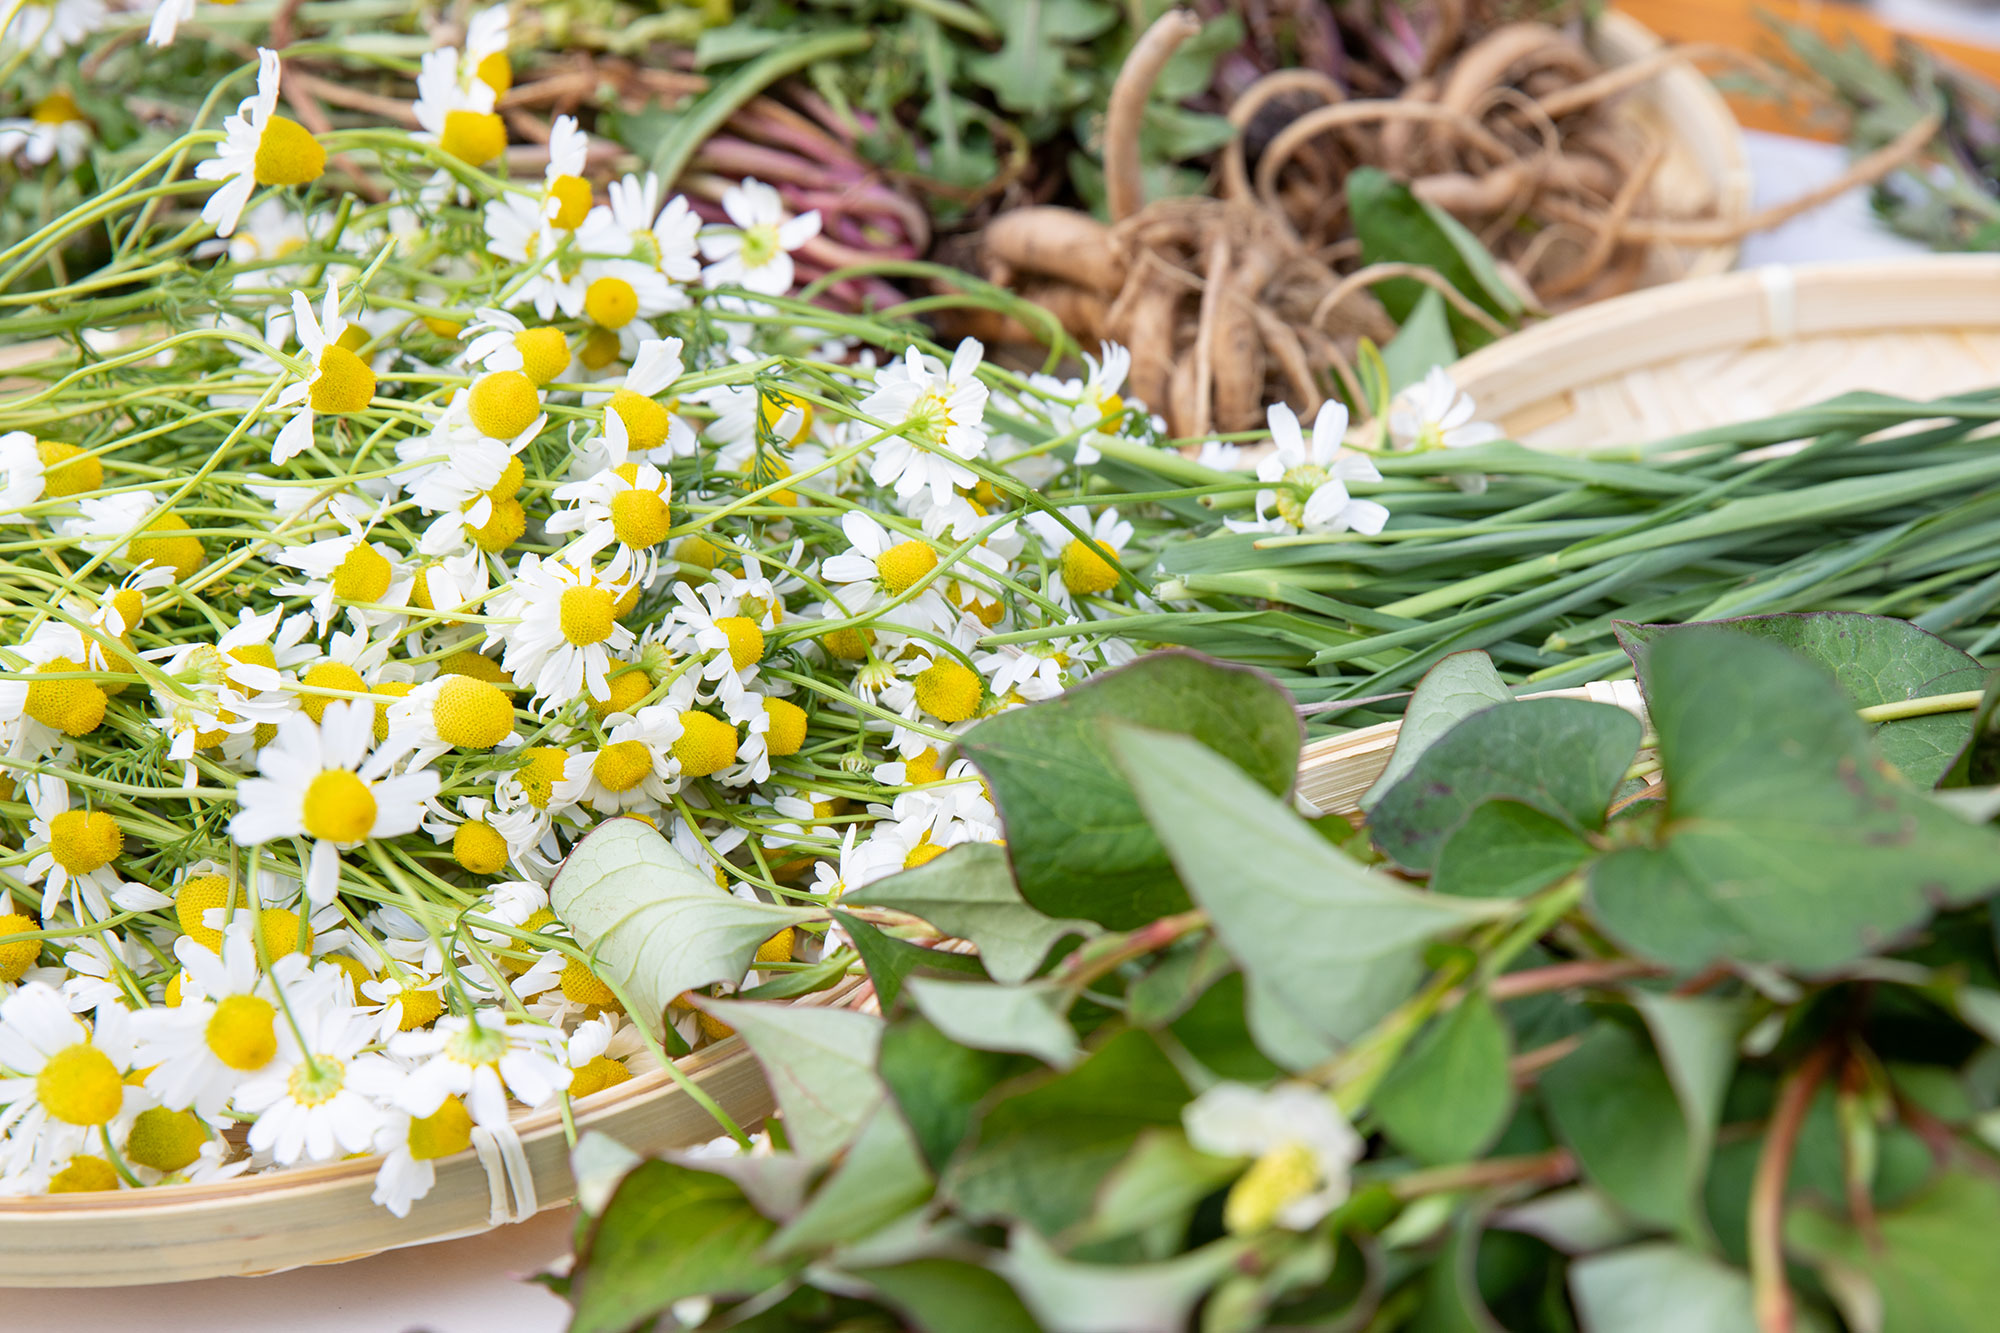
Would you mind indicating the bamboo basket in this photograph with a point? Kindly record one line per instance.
(322, 1215)
(1709, 352)
(1705, 171)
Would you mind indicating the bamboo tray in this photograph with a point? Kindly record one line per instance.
(1739, 346)
(1705, 171)
(323, 1214)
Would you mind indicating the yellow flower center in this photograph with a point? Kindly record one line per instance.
(472, 714)
(56, 109)
(82, 842)
(84, 1175)
(948, 690)
(73, 707)
(1281, 1175)
(923, 853)
(622, 766)
(496, 71)
(242, 1032)
(512, 477)
(544, 354)
(540, 774)
(318, 1081)
(443, 328)
(80, 1086)
(1086, 568)
(611, 302)
(640, 518)
(773, 405)
(1110, 405)
(165, 1140)
(706, 744)
(352, 966)
(421, 1007)
(849, 645)
(787, 731)
(473, 137)
(327, 676)
(339, 807)
(255, 654)
(200, 895)
(698, 551)
(596, 1075)
(587, 615)
(287, 154)
(600, 347)
(646, 421)
(130, 606)
(903, 564)
(278, 932)
(345, 382)
(67, 469)
(583, 986)
(172, 547)
(572, 196)
(503, 529)
(388, 691)
(478, 846)
(503, 404)
(746, 640)
(466, 662)
(363, 576)
(443, 1132)
(171, 996)
(17, 956)
(627, 689)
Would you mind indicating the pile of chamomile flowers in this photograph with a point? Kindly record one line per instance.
(413, 532)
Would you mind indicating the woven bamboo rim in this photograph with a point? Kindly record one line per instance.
(318, 1215)
(1705, 171)
(1739, 346)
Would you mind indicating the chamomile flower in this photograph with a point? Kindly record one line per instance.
(1098, 398)
(455, 108)
(259, 146)
(339, 383)
(366, 578)
(51, 26)
(1086, 566)
(638, 767)
(63, 1084)
(938, 413)
(31, 469)
(1308, 480)
(496, 340)
(451, 712)
(321, 1097)
(636, 226)
(1434, 414)
(757, 254)
(1302, 1150)
(624, 507)
(568, 629)
(201, 1051)
(623, 295)
(410, 1145)
(127, 524)
(481, 1059)
(70, 855)
(322, 783)
(54, 130)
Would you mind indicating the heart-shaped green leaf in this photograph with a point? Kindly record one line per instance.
(1453, 690)
(1784, 839)
(1507, 849)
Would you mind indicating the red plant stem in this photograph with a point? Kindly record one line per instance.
(1563, 976)
(1771, 1295)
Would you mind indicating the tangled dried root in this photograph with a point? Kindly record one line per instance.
(1260, 293)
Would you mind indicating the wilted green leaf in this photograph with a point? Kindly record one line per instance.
(1932, 1267)
(1507, 849)
(969, 893)
(670, 1232)
(1613, 1104)
(950, 1296)
(882, 1177)
(1078, 842)
(653, 923)
(1071, 1297)
(820, 1064)
(1660, 1287)
(1876, 660)
(1024, 1020)
(1565, 757)
(1785, 840)
(1040, 1153)
(1336, 944)
(1457, 687)
(1450, 1096)
(890, 961)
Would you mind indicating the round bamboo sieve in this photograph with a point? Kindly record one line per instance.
(323, 1214)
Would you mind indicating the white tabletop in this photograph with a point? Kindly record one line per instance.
(473, 1286)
